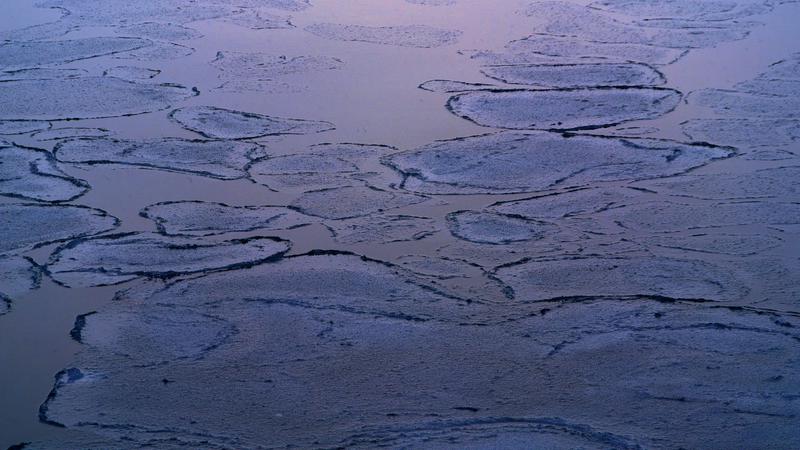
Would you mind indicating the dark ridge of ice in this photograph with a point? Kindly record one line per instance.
(259, 19)
(198, 218)
(420, 36)
(9, 127)
(131, 73)
(451, 87)
(159, 31)
(544, 279)
(536, 46)
(568, 204)
(722, 244)
(490, 433)
(242, 71)
(348, 202)
(542, 160)
(763, 183)
(28, 55)
(85, 98)
(224, 160)
(744, 133)
(159, 51)
(644, 367)
(382, 228)
(17, 276)
(115, 259)
(33, 174)
(28, 225)
(576, 21)
(496, 229)
(576, 75)
(41, 74)
(57, 134)
(563, 109)
(220, 123)
(690, 10)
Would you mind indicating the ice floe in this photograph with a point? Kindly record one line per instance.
(220, 123)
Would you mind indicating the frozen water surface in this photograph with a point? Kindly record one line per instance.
(422, 36)
(515, 162)
(458, 263)
(219, 123)
(85, 97)
(34, 174)
(576, 75)
(225, 160)
(28, 225)
(567, 109)
(205, 218)
(119, 258)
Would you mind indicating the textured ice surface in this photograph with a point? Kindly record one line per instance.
(537, 280)
(567, 19)
(43, 73)
(206, 218)
(27, 226)
(225, 160)
(747, 105)
(22, 126)
(422, 36)
(160, 31)
(123, 12)
(382, 228)
(563, 109)
(17, 276)
(724, 244)
(572, 203)
(85, 97)
(159, 51)
(123, 257)
(35, 54)
(662, 217)
(715, 10)
(775, 183)
(241, 71)
(34, 174)
(259, 19)
(41, 32)
(222, 123)
(490, 228)
(131, 73)
(744, 132)
(563, 375)
(449, 86)
(576, 75)
(306, 172)
(543, 45)
(57, 134)
(352, 201)
(516, 162)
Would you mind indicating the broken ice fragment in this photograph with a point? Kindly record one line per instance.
(563, 109)
(27, 226)
(41, 53)
(496, 229)
(118, 258)
(34, 174)
(85, 98)
(219, 123)
(224, 160)
(422, 36)
(352, 201)
(576, 75)
(205, 218)
(517, 162)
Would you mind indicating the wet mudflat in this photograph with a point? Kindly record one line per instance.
(290, 223)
